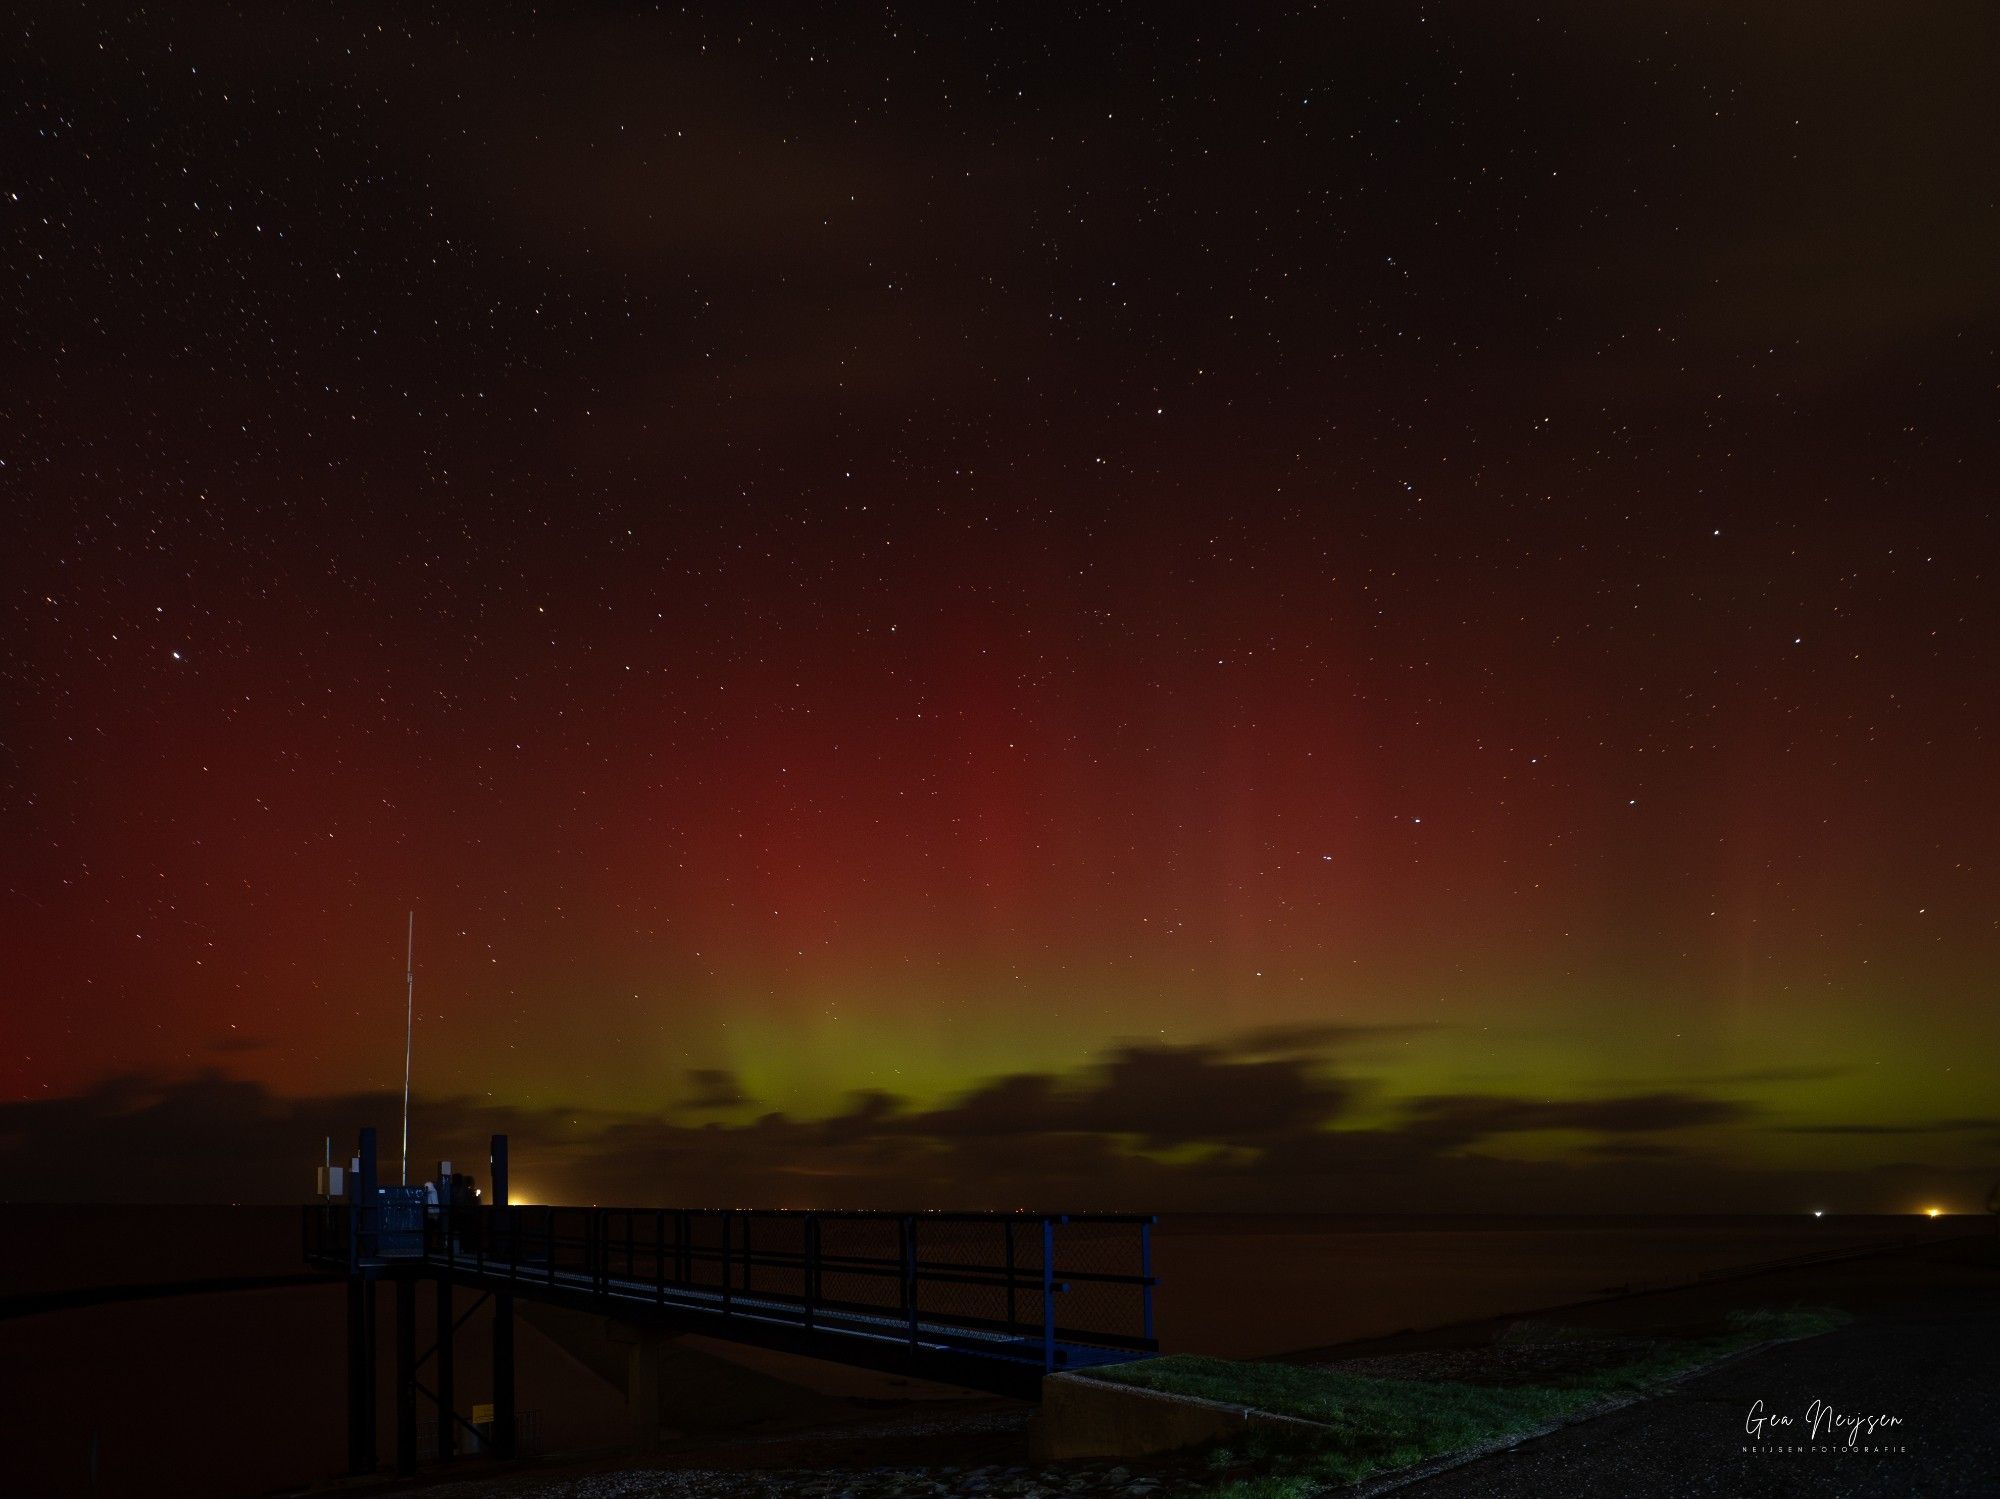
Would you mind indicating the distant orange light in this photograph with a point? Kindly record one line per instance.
(1933, 1212)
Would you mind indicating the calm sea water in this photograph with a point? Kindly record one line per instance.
(1254, 1286)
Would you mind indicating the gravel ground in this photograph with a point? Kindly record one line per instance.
(1938, 1372)
(914, 1454)
(1004, 1428)
(1070, 1481)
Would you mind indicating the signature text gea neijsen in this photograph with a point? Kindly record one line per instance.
(1821, 1420)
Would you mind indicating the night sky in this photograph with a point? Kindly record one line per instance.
(1378, 608)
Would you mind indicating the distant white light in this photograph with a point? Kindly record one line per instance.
(176, 655)
(1819, 1212)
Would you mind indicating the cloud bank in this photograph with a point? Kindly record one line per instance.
(1260, 1122)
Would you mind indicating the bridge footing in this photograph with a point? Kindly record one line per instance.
(645, 1379)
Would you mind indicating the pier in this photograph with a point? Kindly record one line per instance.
(990, 1301)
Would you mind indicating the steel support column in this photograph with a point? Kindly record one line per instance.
(503, 1373)
(406, 1374)
(446, 1394)
(360, 1377)
(503, 1317)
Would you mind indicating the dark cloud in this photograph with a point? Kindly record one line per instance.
(1627, 1148)
(1283, 1040)
(1466, 1117)
(1760, 1075)
(714, 1088)
(1161, 1095)
(1152, 1127)
(1749, 1077)
(1930, 1127)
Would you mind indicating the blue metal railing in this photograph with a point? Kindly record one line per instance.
(1053, 1289)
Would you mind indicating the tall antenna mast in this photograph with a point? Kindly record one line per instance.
(409, 1034)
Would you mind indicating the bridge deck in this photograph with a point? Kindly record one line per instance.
(993, 1301)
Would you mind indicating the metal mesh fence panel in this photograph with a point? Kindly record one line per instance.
(1102, 1264)
(859, 1259)
(1009, 1285)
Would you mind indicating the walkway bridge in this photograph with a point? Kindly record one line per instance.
(992, 1301)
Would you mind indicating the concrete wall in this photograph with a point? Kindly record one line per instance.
(1085, 1417)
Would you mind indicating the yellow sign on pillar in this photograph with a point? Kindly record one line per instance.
(482, 1415)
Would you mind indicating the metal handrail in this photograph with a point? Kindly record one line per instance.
(601, 1251)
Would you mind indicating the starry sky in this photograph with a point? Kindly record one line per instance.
(1377, 607)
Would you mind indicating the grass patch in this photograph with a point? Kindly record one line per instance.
(1375, 1425)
